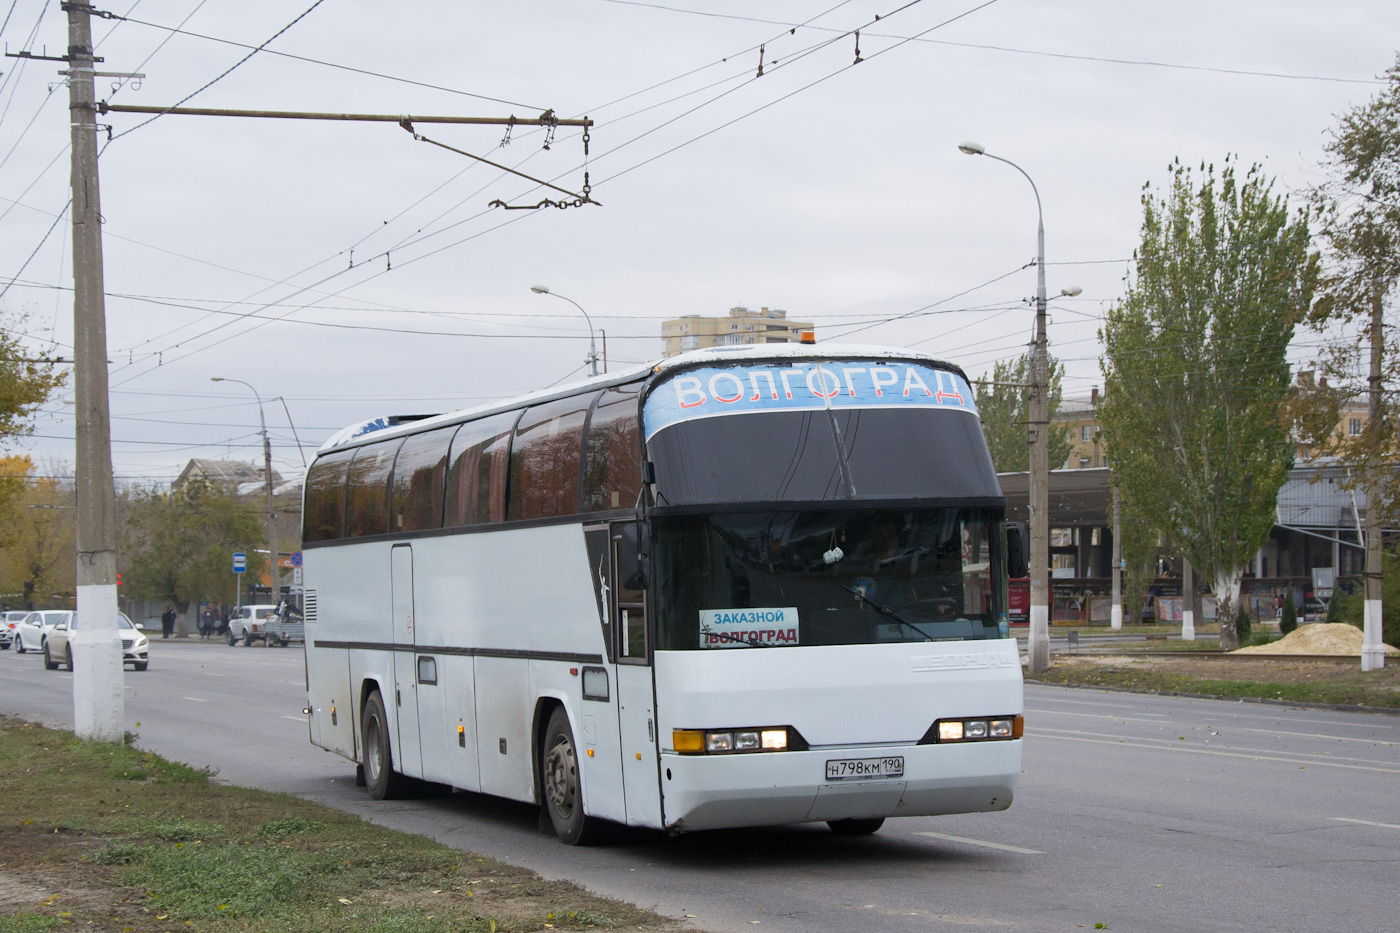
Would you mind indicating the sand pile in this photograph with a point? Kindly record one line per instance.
(1318, 638)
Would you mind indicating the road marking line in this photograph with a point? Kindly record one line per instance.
(195, 699)
(295, 718)
(1314, 762)
(1239, 749)
(979, 842)
(1347, 819)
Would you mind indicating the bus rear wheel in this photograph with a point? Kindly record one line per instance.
(856, 827)
(381, 780)
(563, 789)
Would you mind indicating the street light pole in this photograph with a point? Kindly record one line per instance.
(275, 575)
(1038, 647)
(592, 344)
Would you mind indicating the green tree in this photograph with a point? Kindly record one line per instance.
(1004, 407)
(25, 382)
(38, 553)
(1195, 367)
(180, 543)
(1358, 210)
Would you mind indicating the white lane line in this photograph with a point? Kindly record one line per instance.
(1316, 735)
(195, 699)
(1172, 743)
(295, 718)
(981, 842)
(1303, 762)
(1347, 819)
(1113, 716)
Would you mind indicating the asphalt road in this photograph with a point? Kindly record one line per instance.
(1141, 813)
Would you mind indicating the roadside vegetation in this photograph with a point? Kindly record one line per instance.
(105, 836)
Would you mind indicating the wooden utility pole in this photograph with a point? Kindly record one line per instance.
(1372, 651)
(98, 703)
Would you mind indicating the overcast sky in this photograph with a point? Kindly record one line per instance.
(830, 189)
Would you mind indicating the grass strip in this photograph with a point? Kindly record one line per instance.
(1162, 682)
(110, 837)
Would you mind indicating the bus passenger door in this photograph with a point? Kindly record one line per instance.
(405, 698)
(636, 706)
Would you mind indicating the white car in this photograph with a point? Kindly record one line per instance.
(249, 623)
(35, 627)
(134, 644)
(8, 621)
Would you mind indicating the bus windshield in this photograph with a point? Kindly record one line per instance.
(827, 577)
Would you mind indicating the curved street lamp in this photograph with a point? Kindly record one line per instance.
(592, 359)
(275, 573)
(1038, 646)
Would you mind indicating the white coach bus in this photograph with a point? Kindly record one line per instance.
(745, 586)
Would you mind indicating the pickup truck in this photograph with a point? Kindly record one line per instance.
(261, 622)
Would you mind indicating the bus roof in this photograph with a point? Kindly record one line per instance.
(386, 426)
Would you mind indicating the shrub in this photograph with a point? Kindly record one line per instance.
(1242, 626)
(1289, 622)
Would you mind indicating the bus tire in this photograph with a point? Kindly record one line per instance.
(381, 780)
(856, 827)
(562, 783)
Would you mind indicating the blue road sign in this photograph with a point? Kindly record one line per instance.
(296, 558)
(240, 562)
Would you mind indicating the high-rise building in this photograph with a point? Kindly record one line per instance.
(742, 326)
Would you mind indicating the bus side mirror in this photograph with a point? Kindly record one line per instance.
(1016, 564)
(633, 556)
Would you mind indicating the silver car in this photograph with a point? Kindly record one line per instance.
(8, 621)
(58, 651)
(35, 627)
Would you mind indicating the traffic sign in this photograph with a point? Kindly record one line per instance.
(240, 562)
(296, 558)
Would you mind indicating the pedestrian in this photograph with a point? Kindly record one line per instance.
(167, 622)
(206, 622)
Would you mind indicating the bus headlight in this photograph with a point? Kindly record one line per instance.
(724, 741)
(974, 730)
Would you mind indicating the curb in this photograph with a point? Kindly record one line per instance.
(1337, 707)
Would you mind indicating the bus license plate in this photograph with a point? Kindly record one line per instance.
(855, 769)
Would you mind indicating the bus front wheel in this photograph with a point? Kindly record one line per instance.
(856, 827)
(563, 788)
(382, 781)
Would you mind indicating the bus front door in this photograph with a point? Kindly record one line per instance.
(636, 706)
(409, 757)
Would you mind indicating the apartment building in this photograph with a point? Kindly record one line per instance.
(741, 326)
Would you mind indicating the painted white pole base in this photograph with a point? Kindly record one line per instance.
(1115, 617)
(1038, 645)
(99, 707)
(1372, 650)
(1188, 625)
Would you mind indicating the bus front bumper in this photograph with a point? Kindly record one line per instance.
(766, 789)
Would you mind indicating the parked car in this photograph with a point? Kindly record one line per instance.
(35, 627)
(8, 621)
(261, 622)
(58, 651)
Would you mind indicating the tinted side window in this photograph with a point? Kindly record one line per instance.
(323, 517)
(476, 472)
(544, 459)
(420, 478)
(613, 468)
(367, 489)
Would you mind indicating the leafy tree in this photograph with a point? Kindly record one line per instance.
(38, 553)
(179, 544)
(1358, 209)
(1141, 549)
(1005, 411)
(1195, 367)
(25, 383)
(1289, 622)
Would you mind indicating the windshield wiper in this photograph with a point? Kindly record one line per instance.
(730, 636)
(886, 611)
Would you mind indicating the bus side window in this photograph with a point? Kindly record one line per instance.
(613, 453)
(367, 489)
(324, 516)
(544, 459)
(476, 473)
(416, 493)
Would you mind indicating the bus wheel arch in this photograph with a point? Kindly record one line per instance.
(561, 783)
(376, 748)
